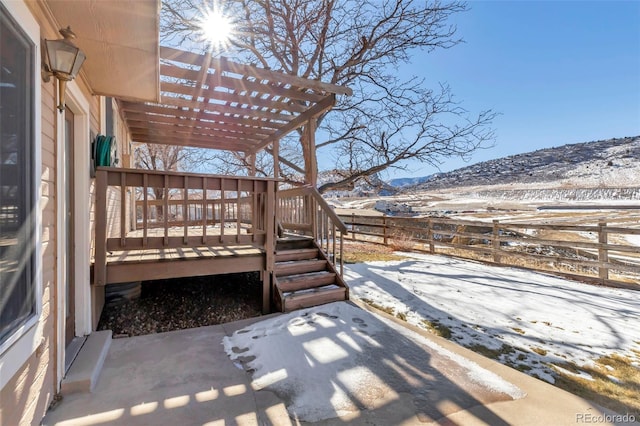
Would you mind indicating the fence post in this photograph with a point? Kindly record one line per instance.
(430, 236)
(353, 226)
(495, 241)
(384, 229)
(603, 253)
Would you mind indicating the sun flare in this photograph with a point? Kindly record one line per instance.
(216, 27)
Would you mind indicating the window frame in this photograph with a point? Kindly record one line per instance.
(26, 338)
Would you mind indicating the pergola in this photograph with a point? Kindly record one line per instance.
(215, 103)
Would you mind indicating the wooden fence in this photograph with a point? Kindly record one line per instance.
(600, 253)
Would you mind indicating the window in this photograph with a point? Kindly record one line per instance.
(18, 299)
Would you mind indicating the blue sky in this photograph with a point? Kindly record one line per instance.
(559, 72)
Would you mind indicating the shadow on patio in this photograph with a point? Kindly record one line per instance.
(333, 364)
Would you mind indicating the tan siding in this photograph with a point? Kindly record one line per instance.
(28, 394)
(25, 398)
(95, 115)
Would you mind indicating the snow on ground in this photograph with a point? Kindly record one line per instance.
(335, 359)
(546, 319)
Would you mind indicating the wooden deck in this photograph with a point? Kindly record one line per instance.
(202, 225)
(210, 225)
(153, 264)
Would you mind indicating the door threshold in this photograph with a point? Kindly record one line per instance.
(72, 350)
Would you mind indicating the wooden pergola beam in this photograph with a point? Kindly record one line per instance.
(313, 112)
(259, 73)
(237, 85)
(219, 104)
(188, 142)
(235, 98)
(206, 116)
(142, 120)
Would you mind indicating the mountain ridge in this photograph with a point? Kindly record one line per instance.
(610, 162)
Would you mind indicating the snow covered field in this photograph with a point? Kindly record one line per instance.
(530, 319)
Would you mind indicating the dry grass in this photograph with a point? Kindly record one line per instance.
(619, 393)
(539, 351)
(492, 353)
(373, 304)
(400, 241)
(438, 329)
(360, 251)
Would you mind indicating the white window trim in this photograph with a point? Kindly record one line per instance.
(17, 349)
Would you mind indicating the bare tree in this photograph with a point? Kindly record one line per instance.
(359, 43)
(169, 158)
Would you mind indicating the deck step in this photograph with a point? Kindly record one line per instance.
(317, 296)
(85, 370)
(303, 277)
(296, 254)
(300, 267)
(305, 281)
(294, 243)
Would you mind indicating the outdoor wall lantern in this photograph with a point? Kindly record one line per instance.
(63, 61)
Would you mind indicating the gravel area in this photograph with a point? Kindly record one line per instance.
(176, 304)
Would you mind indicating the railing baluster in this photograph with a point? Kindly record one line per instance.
(238, 212)
(165, 210)
(341, 254)
(145, 208)
(333, 239)
(123, 209)
(326, 230)
(222, 210)
(254, 211)
(204, 210)
(185, 209)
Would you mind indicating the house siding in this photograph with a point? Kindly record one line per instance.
(26, 396)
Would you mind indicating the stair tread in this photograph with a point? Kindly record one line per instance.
(305, 249)
(299, 267)
(296, 254)
(315, 297)
(298, 282)
(310, 275)
(313, 290)
(294, 243)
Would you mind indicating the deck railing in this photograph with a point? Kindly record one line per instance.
(303, 211)
(181, 210)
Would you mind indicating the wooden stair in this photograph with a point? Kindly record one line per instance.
(304, 277)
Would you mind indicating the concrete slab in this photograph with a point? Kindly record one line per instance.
(85, 370)
(181, 377)
(185, 378)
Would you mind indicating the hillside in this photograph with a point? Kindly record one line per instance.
(606, 163)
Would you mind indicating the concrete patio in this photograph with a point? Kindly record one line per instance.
(186, 378)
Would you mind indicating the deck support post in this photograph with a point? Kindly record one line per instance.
(100, 265)
(603, 254)
(276, 158)
(269, 246)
